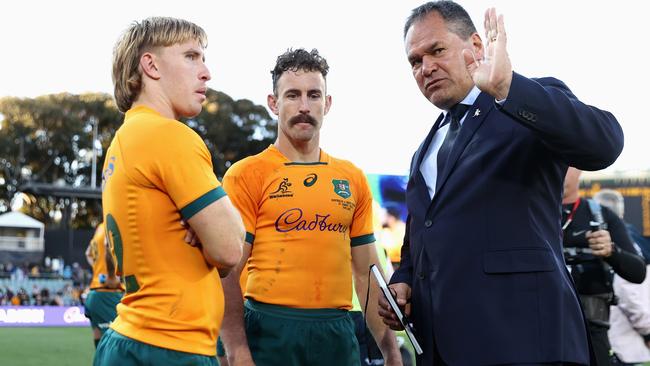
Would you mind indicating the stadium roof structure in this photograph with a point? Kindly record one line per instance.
(18, 219)
(46, 189)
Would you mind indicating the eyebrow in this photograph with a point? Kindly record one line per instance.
(298, 91)
(194, 51)
(412, 57)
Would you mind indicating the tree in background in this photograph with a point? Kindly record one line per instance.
(232, 129)
(48, 139)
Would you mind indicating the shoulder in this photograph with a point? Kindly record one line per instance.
(250, 166)
(158, 131)
(250, 173)
(347, 166)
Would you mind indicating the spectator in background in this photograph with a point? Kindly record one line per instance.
(610, 198)
(392, 235)
(596, 246)
(629, 332)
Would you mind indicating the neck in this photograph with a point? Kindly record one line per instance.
(157, 103)
(298, 151)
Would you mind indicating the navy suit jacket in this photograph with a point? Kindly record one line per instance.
(484, 256)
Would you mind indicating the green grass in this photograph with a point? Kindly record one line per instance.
(46, 346)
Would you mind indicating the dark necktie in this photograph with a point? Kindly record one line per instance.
(454, 116)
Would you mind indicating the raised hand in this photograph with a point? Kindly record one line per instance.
(493, 74)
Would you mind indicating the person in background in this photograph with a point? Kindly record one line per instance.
(596, 246)
(106, 291)
(629, 331)
(392, 235)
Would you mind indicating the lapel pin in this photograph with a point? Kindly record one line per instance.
(477, 112)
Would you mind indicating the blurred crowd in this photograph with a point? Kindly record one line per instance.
(51, 283)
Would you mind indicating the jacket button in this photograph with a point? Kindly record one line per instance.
(428, 223)
(421, 275)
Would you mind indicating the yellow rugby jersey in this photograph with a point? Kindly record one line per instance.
(158, 171)
(302, 219)
(98, 254)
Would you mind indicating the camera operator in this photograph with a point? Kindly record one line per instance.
(596, 246)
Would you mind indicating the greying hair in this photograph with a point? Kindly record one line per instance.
(457, 19)
(611, 199)
(143, 37)
(299, 59)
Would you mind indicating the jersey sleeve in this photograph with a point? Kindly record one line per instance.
(242, 189)
(183, 167)
(361, 230)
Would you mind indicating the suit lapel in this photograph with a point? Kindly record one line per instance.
(422, 150)
(417, 192)
(483, 104)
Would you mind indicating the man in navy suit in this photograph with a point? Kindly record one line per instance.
(482, 269)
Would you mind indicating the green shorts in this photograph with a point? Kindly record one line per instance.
(100, 308)
(116, 349)
(278, 335)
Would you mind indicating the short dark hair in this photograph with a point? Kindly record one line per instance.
(457, 19)
(299, 59)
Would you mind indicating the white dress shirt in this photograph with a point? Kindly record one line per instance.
(429, 166)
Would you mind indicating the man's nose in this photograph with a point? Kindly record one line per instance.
(205, 73)
(304, 105)
(429, 65)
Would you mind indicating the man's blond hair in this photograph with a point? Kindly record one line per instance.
(143, 37)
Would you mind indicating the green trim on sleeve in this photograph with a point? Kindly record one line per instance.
(202, 202)
(362, 240)
(250, 238)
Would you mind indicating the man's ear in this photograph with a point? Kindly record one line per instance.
(148, 65)
(272, 102)
(328, 103)
(477, 46)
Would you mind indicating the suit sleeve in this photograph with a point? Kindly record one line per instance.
(625, 262)
(582, 136)
(405, 271)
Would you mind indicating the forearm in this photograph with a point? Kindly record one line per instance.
(233, 333)
(384, 337)
(110, 264)
(629, 266)
(221, 233)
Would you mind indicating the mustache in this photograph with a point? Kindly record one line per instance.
(302, 118)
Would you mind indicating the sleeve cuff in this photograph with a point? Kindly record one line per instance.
(362, 240)
(202, 202)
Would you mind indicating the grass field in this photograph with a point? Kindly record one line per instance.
(46, 346)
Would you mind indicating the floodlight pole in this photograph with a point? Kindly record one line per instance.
(93, 176)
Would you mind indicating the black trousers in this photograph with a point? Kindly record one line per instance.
(600, 343)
